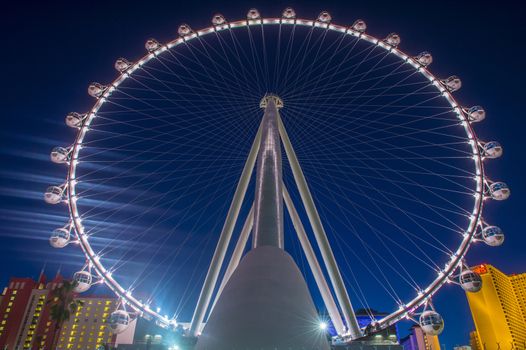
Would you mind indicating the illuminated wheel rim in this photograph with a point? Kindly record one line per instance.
(405, 309)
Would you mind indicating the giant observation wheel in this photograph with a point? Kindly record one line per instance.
(391, 159)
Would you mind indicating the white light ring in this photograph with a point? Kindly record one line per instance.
(392, 318)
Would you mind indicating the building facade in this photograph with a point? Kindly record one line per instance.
(418, 340)
(25, 321)
(15, 298)
(474, 341)
(27, 334)
(499, 310)
(87, 329)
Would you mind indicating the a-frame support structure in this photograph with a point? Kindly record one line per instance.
(265, 221)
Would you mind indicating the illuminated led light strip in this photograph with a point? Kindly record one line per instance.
(404, 310)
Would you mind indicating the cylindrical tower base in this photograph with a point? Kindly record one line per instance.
(265, 305)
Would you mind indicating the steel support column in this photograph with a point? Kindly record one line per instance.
(237, 254)
(268, 203)
(224, 238)
(321, 237)
(314, 265)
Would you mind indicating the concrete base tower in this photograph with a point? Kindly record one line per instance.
(266, 305)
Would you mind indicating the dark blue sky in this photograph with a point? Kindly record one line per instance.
(52, 51)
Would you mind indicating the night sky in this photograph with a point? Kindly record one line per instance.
(53, 51)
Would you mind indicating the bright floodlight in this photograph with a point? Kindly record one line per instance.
(323, 325)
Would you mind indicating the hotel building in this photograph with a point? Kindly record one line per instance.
(499, 310)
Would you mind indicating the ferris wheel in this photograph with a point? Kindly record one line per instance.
(381, 161)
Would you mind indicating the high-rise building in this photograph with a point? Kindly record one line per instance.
(27, 334)
(418, 340)
(499, 309)
(12, 309)
(87, 329)
(41, 330)
(25, 321)
(474, 341)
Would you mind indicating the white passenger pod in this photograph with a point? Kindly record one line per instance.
(75, 120)
(253, 14)
(83, 281)
(431, 322)
(60, 238)
(54, 194)
(152, 45)
(289, 13)
(499, 191)
(184, 30)
(452, 84)
(392, 39)
(493, 236)
(424, 58)
(59, 155)
(218, 19)
(359, 25)
(119, 321)
(470, 281)
(324, 17)
(475, 114)
(96, 89)
(492, 149)
(122, 65)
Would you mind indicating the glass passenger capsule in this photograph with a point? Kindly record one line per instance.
(184, 30)
(431, 322)
(83, 281)
(289, 13)
(470, 281)
(218, 19)
(54, 194)
(74, 119)
(492, 149)
(393, 39)
(119, 321)
(476, 113)
(493, 236)
(359, 25)
(59, 238)
(324, 17)
(96, 89)
(152, 45)
(59, 155)
(122, 65)
(424, 58)
(499, 191)
(453, 83)
(253, 14)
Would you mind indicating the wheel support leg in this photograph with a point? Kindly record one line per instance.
(314, 265)
(237, 254)
(224, 239)
(321, 237)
